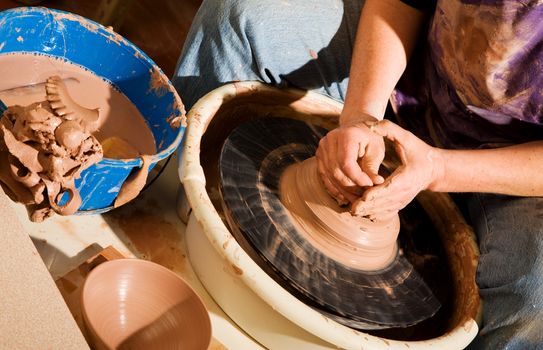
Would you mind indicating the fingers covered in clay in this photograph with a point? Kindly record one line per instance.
(349, 158)
(340, 193)
(416, 173)
(390, 197)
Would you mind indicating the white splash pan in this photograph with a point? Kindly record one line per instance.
(254, 300)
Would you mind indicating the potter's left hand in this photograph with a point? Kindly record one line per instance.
(420, 169)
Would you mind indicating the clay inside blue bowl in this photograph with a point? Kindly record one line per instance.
(80, 41)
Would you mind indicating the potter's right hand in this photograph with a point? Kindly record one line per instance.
(348, 159)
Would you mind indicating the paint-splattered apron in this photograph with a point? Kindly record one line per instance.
(478, 80)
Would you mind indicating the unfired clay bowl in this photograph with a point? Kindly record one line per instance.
(256, 302)
(137, 304)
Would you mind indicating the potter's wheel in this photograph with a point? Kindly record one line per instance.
(253, 158)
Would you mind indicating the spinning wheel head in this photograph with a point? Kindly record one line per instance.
(253, 159)
(354, 241)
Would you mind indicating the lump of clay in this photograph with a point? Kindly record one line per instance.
(44, 147)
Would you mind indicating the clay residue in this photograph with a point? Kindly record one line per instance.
(72, 107)
(114, 37)
(134, 183)
(160, 87)
(138, 55)
(178, 120)
(237, 270)
(148, 234)
(59, 17)
(107, 32)
(63, 104)
(484, 69)
(21, 86)
(44, 147)
(158, 84)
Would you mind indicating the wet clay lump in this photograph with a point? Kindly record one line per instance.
(62, 119)
(45, 146)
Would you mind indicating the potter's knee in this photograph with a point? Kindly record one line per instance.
(532, 288)
(234, 11)
(531, 268)
(251, 14)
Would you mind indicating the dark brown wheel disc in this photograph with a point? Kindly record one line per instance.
(251, 163)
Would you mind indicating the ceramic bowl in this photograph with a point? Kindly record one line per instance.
(137, 304)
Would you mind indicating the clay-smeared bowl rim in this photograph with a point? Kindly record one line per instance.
(108, 300)
(52, 41)
(193, 179)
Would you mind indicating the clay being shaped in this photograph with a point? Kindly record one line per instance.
(44, 147)
(350, 268)
(355, 241)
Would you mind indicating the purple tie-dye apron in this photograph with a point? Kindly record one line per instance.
(478, 80)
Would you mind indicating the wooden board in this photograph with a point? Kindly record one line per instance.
(32, 312)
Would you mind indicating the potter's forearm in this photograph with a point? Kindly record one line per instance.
(515, 170)
(387, 33)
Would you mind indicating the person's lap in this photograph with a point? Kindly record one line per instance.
(308, 44)
(510, 269)
(301, 43)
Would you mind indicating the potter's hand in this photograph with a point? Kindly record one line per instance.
(348, 159)
(419, 170)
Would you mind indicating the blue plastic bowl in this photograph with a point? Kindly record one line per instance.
(105, 53)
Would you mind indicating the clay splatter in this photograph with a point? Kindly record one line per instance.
(150, 234)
